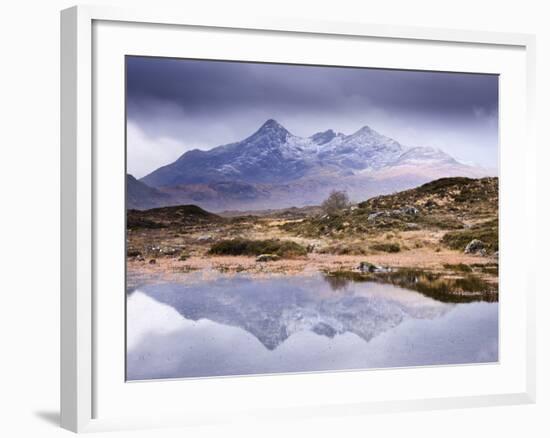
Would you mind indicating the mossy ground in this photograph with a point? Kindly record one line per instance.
(487, 232)
(285, 249)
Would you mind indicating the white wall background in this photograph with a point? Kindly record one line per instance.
(29, 218)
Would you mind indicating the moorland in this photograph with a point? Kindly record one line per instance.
(440, 238)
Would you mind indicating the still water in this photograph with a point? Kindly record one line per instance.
(234, 325)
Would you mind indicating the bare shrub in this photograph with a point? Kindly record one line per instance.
(335, 203)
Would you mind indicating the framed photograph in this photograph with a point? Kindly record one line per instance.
(258, 208)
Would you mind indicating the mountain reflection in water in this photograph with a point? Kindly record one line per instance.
(233, 325)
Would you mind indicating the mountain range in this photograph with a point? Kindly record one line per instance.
(273, 168)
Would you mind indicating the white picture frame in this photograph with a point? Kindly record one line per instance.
(81, 272)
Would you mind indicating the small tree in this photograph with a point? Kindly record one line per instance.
(335, 203)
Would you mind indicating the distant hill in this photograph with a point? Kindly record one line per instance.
(273, 168)
(140, 196)
(181, 215)
(283, 213)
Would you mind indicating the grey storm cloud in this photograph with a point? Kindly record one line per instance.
(201, 104)
(198, 85)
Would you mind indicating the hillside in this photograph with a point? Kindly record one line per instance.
(445, 195)
(466, 208)
(179, 216)
(140, 196)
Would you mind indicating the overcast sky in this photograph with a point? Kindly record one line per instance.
(174, 105)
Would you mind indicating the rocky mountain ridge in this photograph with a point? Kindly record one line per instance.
(273, 168)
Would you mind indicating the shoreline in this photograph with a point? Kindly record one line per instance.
(170, 269)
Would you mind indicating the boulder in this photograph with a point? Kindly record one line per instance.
(408, 211)
(378, 214)
(168, 251)
(367, 267)
(476, 246)
(267, 258)
(413, 211)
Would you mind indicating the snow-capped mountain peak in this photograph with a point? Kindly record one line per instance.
(424, 155)
(363, 150)
(270, 132)
(368, 137)
(324, 137)
(272, 155)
